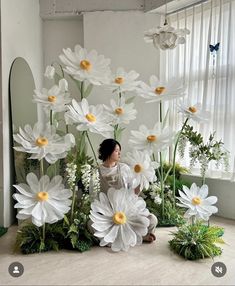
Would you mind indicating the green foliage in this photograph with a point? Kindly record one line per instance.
(29, 238)
(77, 235)
(3, 230)
(197, 241)
(202, 152)
(172, 216)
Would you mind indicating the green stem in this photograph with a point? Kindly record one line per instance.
(67, 128)
(162, 187)
(51, 117)
(41, 168)
(60, 67)
(73, 204)
(161, 171)
(115, 132)
(193, 220)
(174, 158)
(161, 111)
(82, 89)
(93, 151)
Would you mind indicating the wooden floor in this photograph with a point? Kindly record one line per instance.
(148, 264)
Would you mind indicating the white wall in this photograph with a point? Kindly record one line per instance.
(21, 34)
(119, 36)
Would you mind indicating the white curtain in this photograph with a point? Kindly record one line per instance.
(209, 77)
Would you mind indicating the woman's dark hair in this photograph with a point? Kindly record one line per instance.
(107, 147)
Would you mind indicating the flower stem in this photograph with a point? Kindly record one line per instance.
(161, 171)
(82, 90)
(62, 71)
(73, 203)
(51, 118)
(67, 128)
(41, 168)
(92, 148)
(174, 158)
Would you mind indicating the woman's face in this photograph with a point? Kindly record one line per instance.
(115, 156)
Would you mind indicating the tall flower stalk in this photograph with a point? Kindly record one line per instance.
(174, 158)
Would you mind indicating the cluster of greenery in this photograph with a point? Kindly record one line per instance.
(64, 234)
(3, 230)
(197, 241)
(201, 152)
(173, 215)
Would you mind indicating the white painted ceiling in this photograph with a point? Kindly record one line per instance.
(50, 9)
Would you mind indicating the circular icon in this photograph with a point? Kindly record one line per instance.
(16, 269)
(218, 269)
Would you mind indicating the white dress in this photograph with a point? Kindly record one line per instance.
(116, 177)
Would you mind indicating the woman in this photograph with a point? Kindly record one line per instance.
(118, 175)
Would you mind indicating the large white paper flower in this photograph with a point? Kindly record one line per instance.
(142, 168)
(161, 90)
(83, 65)
(151, 140)
(123, 81)
(43, 142)
(43, 200)
(165, 37)
(197, 202)
(89, 117)
(119, 218)
(194, 112)
(55, 99)
(121, 112)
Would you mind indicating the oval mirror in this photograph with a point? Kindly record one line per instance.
(21, 88)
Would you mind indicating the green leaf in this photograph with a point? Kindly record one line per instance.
(129, 100)
(88, 90)
(57, 78)
(53, 169)
(66, 220)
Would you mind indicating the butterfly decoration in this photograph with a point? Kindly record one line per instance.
(214, 49)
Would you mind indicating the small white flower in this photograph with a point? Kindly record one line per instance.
(94, 187)
(86, 176)
(43, 142)
(157, 200)
(197, 202)
(142, 168)
(49, 72)
(89, 118)
(83, 65)
(122, 112)
(194, 112)
(43, 200)
(123, 81)
(120, 219)
(161, 90)
(71, 170)
(55, 99)
(151, 140)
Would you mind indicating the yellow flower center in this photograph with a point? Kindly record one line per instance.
(192, 109)
(160, 89)
(119, 218)
(119, 111)
(90, 117)
(85, 65)
(41, 141)
(151, 138)
(138, 168)
(42, 196)
(51, 98)
(196, 201)
(119, 80)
